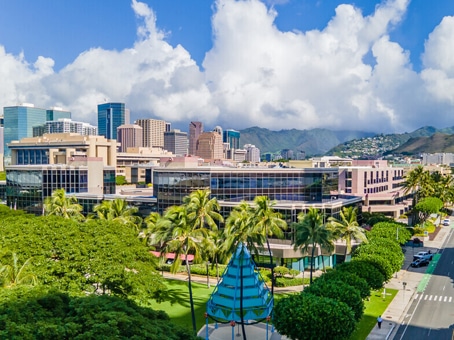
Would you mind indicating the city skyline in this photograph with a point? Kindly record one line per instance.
(382, 66)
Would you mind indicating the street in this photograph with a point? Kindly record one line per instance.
(431, 314)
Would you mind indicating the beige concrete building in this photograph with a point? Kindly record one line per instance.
(153, 132)
(210, 146)
(60, 148)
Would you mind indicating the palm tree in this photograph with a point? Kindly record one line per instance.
(203, 210)
(13, 275)
(240, 227)
(61, 205)
(311, 232)
(269, 223)
(177, 234)
(119, 211)
(347, 228)
(150, 222)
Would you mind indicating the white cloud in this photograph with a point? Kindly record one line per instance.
(255, 74)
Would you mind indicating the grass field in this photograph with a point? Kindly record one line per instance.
(375, 307)
(179, 308)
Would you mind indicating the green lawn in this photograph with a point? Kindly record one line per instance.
(179, 308)
(375, 307)
(180, 312)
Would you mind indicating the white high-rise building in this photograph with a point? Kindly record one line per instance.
(252, 153)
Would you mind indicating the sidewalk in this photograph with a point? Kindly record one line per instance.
(397, 309)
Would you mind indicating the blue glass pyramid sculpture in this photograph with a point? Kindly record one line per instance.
(240, 281)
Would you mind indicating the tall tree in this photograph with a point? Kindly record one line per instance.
(269, 223)
(240, 227)
(118, 210)
(203, 211)
(347, 228)
(179, 236)
(59, 204)
(310, 232)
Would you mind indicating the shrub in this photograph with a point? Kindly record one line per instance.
(294, 272)
(290, 282)
(340, 291)
(306, 317)
(366, 270)
(281, 271)
(351, 279)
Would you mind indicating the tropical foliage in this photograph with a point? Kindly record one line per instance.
(59, 204)
(347, 228)
(310, 232)
(118, 211)
(40, 313)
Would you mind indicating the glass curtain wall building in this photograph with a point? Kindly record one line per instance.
(19, 122)
(110, 117)
(293, 190)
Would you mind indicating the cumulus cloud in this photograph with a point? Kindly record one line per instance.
(256, 74)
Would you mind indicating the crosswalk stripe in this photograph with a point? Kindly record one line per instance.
(441, 298)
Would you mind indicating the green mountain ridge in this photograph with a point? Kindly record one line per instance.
(312, 142)
(317, 142)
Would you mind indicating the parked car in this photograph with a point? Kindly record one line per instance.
(424, 255)
(419, 263)
(446, 222)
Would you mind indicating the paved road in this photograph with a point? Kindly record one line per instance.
(431, 314)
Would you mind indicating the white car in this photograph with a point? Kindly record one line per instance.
(446, 221)
(423, 255)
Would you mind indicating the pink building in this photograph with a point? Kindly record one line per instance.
(378, 184)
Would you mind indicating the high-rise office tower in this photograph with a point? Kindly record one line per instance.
(209, 146)
(129, 136)
(153, 132)
(110, 117)
(56, 113)
(232, 137)
(176, 142)
(19, 122)
(195, 130)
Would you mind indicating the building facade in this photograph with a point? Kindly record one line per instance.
(153, 132)
(195, 130)
(379, 185)
(252, 153)
(110, 117)
(20, 120)
(129, 136)
(293, 190)
(65, 125)
(210, 146)
(232, 137)
(61, 148)
(176, 142)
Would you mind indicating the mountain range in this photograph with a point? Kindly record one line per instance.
(318, 142)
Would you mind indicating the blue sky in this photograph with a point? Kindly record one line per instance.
(276, 64)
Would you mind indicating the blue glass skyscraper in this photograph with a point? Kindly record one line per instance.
(110, 117)
(19, 122)
(232, 137)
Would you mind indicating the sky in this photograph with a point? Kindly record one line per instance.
(369, 65)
